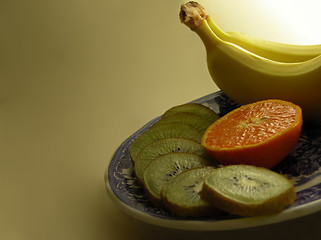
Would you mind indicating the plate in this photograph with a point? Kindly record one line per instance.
(302, 166)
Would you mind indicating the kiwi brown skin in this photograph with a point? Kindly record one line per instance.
(156, 201)
(203, 211)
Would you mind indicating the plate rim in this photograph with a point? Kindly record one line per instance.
(208, 225)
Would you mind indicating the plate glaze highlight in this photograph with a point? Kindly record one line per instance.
(302, 166)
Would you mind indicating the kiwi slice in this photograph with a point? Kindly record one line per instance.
(195, 108)
(192, 119)
(165, 167)
(248, 190)
(163, 131)
(164, 146)
(181, 195)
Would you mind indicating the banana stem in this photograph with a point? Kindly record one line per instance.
(193, 15)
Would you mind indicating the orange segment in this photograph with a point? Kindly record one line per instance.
(260, 134)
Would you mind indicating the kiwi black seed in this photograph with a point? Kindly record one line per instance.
(192, 119)
(165, 167)
(248, 190)
(164, 146)
(195, 108)
(181, 195)
(163, 131)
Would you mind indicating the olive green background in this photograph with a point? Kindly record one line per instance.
(77, 77)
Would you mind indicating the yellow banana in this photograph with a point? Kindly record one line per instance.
(246, 77)
(268, 49)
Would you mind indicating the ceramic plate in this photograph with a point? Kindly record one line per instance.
(302, 166)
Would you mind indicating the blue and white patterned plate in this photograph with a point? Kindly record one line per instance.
(302, 166)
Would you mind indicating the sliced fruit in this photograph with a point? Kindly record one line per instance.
(165, 167)
(164, 146)
(196, 121)
(195, 108)
(247, 190)
(163, 131)
(260, 134)
(181, 195)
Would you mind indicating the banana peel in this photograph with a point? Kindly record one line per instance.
(247, 77)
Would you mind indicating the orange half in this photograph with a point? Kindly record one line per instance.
(261, 134)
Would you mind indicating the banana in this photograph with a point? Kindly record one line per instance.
(268, 49)
(247, 77)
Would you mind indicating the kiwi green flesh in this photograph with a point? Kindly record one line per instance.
(164, 146)
(248, 190)
(194, 108)
(181, 195)
(165, 167)
(199, 123)
(163, 131)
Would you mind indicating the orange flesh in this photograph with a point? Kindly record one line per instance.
(251, 125)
